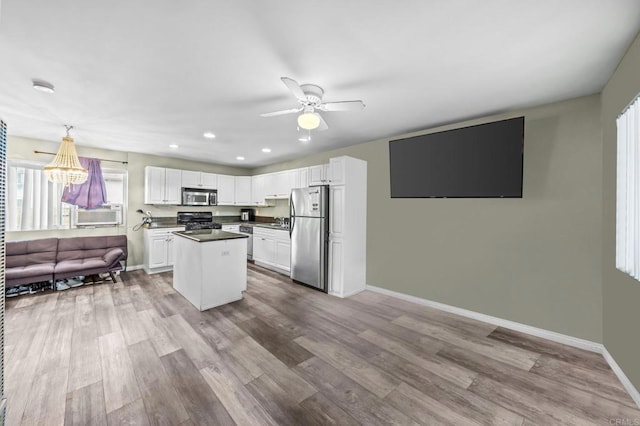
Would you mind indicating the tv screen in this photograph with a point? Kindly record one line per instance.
(483, 161)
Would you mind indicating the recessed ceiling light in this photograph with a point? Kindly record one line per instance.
(267, 150)
(43, 86)
(239, 158)
(209, 135)
(173, 146)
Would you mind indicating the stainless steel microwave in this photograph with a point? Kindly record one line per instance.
(199, 197)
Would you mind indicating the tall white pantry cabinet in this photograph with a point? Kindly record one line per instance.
(347, 178)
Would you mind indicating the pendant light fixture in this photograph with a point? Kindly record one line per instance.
(65, 167)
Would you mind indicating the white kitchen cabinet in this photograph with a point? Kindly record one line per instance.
(257, 190)
(272, 249)
(302, 178)
(337, 171)
(282, 184)
(282, 256)
(191, 179)
(318, 175)
(162, 186)
(264, 249)
(209, 180)
(158, 249)
(336, 272)
(226, 190)
(336, 211)
(279, 184)
(243, 190)
(231, 228)
(173, 186)
(348, 227)
(270, 186)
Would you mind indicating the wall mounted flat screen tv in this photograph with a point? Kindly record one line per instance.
(483, 161)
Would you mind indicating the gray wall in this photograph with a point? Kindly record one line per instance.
(621, 293)
(535, 260)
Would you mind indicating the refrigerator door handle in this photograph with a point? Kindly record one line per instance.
(292, 215)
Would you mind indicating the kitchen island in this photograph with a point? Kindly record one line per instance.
(210, 267)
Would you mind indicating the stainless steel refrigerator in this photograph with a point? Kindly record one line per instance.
(309, 230)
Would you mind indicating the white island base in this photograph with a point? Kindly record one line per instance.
(210, 270)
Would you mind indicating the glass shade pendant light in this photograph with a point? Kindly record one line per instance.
(309, 120)
(65, 167)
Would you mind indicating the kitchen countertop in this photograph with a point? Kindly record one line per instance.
(169, 224)
(259, 224)
(208, 235)
(156, 225)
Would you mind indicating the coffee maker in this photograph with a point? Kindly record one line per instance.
(247, 215)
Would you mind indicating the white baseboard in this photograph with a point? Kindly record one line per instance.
(523, 328)
(133, 267)
(344, 296)
(512, 325)
(633, 392)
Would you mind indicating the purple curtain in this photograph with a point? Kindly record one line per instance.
(92, 193)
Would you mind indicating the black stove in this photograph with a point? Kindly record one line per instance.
(197, 220)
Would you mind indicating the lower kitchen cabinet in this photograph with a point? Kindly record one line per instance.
(272, 249)
(282, 258)
(158, 249)
(336, 269)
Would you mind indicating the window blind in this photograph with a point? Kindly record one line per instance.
(628, 191)
(3, 186)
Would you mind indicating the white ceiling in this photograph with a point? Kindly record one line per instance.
(140, 75)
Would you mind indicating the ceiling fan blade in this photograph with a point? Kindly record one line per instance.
(323, 124)
(283, 112)
(342, 106)
(295, 88)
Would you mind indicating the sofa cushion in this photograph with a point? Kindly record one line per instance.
(29, 271)
(31, 252)
(89, 247)
(80, 265)
(113, 256)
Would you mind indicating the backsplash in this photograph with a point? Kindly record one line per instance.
(280, 209)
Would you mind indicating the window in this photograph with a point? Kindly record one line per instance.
(33, 203)
(628, 191)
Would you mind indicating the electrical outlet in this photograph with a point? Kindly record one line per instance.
(225, 253)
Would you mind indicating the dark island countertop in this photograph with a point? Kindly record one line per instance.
(207, 235)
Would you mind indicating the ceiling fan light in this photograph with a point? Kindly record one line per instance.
(309, 120)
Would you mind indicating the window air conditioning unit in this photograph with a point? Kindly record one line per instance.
(109, 214)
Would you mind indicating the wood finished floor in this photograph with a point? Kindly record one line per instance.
(138, 353)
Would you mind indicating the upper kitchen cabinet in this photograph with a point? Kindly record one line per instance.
(226, 190)
(243, 191)
(258, 190)
(278, 185)
(318, 175)
(162, 186)
(337, 170)
(199, 180)
(209, 180)
(303, 177)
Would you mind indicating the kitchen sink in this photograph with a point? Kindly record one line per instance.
(279, 225)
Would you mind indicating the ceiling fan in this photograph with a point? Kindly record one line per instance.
(310, 98)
